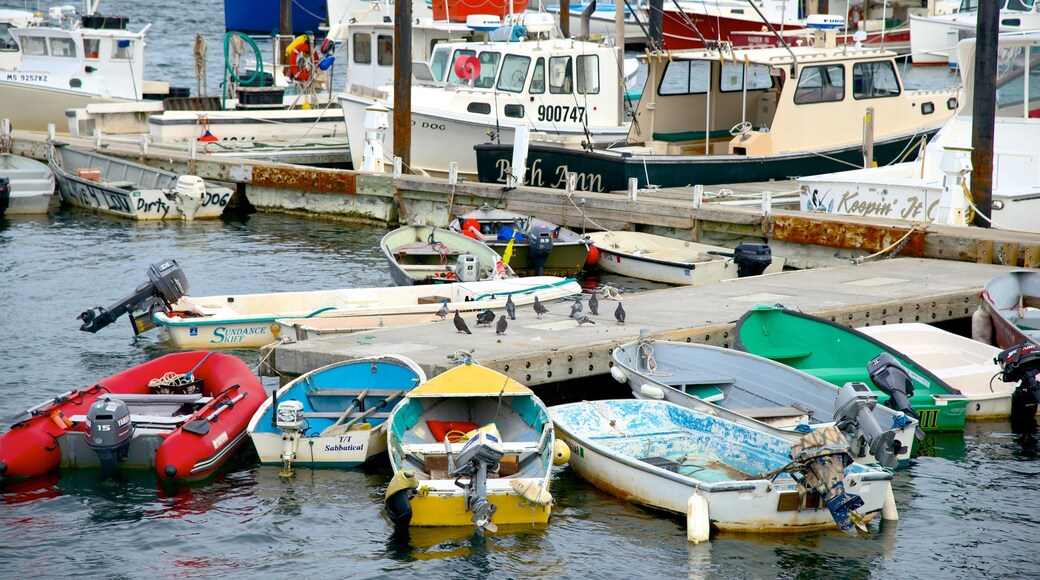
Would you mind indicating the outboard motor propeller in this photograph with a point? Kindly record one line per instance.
(539, 244)
(853, 414)
(109, 430)
(751, 259)
(166, 284)
(894, 380)
(1021, 364)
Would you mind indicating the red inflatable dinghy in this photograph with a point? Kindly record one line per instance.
(182, 414)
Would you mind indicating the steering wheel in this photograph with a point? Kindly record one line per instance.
(519, 77)
(740, 128)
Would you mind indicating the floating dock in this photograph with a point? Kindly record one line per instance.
(537, 352)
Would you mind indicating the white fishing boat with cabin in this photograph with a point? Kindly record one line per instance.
(934, 38)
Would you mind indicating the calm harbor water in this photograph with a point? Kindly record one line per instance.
(966, 502)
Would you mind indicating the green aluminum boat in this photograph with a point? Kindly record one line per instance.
(839, 354)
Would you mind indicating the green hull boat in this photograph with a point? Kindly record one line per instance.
(839, 354)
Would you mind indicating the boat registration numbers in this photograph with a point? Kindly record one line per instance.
(561, 114)
(25, 78)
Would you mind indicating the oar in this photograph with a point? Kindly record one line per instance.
(346, 427)
(356, 403)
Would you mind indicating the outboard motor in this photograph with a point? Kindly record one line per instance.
(1021, 364)
(478, 456)
(166, 284)
(5, 194)
(818, 462)
(853, 414)
(539, 244)
(289, 419)
(109, 430)
(467, 269)
(751, 259)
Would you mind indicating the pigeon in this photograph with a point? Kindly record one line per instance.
(510, 307)
(594, 304)
(460, 324)
(581, 318)
(538, 308)
(486, 318)
(500, 328)
(576, 307)
(619, 314)
(443, 312)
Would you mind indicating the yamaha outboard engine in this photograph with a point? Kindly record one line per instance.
(751, 259)
(854, 415)
(166, 284)
(1021, 364)
(109, 430)
(539, 244)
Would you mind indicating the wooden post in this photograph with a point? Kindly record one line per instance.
(285, 18)
(403, 83)
(656, 20)
(983, 111)
(565, 18)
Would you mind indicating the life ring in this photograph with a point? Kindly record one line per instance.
(467, 67)
(300, 62)
(856, 15)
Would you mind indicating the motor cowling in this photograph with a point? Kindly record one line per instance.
(1020, 364)
(752, 259)
(109, 430)
(540, 243)
(5, 194)
(853, 414)
(166, 285)
(467, 268)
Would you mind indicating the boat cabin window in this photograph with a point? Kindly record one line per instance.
(34, 46)
(7, 42)
(538, 77)
(385, 50)
(362, 48)
(488, 69)
(514, 111)
(588, 74)
(560, 75)
(514, 73)
(91, 48)
(453, 77)
(872, 80)
(820, 84)
(439, 62)
(733, 77)
(685, 77)
(63, 47)
(124, 50)
(1010, 80)
(1020, 5)
(479, 108)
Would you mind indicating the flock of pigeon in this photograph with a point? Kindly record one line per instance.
(486, 317)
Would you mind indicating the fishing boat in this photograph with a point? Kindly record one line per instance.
(839, 355)
(965, 364)
(726, 115)
(935, 187)
(26, 186)
(752, 390)
(1012, 301)
(424, 254)
(334, 416)
(934, 38)
(718, 473)
(470, 447)
(535, 246)
(671, 261)
(181, 414)
(64, 61)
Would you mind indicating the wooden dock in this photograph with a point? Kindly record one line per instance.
(554, 349)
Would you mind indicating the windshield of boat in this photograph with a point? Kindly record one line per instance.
(1011, 81)
(1020, 5)
(7, 42)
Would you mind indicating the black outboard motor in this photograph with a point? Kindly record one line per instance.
(751, 259)
(539, 244)
(166, 284)
(109, 430)
(5, 195)
(1021, 364)
(893, 379)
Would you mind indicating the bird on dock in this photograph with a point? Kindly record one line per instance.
(576, 307)
(539, 309)
(594, 304)
(460, 324)
(619, 314)
(500, 328)
(580, 318)
(443, 312)
(486, 317)
(510, 307)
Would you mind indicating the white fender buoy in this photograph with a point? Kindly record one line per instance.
(888, 509)
(618, 374)
(698, 525)
(982, 326)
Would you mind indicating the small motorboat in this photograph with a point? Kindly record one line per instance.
(182, 414)
(718, 473)
(752, 390)
(671, 261)
(470, 447)
(26, 186)
(531, 246)
(839, 355)
(1012, 301)
(965, 364)
(123, 188)
(427, 255)
(334, 416)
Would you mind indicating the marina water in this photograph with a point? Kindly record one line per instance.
(967, 503)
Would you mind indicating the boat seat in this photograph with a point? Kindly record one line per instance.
(383, 393)
(127, 185)
(841, 375)
(438, 448)
(678, 136)
(338, 414)
(773, 412)
(155, 421)
(786, 353)
(707, 393)
(168, 399)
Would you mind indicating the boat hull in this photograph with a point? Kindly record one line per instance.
(32, 108)
(603, 170)
(31, 183)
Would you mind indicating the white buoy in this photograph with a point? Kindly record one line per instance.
(888, 509)
(698, 526)
(698, 196)
(982, 326)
